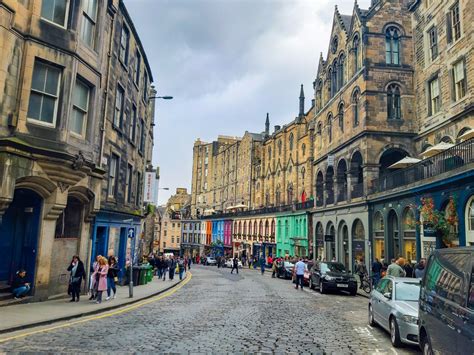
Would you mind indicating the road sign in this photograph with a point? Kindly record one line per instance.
(131, 233)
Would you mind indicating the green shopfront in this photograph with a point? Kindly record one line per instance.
(292, 235)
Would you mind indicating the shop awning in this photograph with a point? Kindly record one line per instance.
(438, 148)
(404, 163)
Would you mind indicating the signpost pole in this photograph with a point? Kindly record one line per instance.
(130, 235)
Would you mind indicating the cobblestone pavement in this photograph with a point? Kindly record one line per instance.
(217, 312)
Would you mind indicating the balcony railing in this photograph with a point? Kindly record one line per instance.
(304, 205)
(453, 158)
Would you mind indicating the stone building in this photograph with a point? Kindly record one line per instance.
(179, 203)
(364, 118)
(54, 155)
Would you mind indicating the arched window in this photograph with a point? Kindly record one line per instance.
(279, 147)
(355, 54)
(394, 111)
(303, 149)
(255, 228)
(340, 116)
(320, 128)
(245, 227)
(340, 72)
(329, 81)
(392, 46)
(329, 128)
(273, 228)
(303, 171)
(319, 96)
(291, 141)
(267, 229)
(240, 227)
(355, 103)
(260, 228)
(269, 153)
(335, 88)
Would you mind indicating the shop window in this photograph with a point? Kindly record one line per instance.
(68, 224)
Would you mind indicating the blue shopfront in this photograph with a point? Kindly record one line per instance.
(111, 236)
(397, 225)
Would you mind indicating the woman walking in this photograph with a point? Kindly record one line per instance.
(77, 273)
(93, 285)
(112, 277)
(101, 278)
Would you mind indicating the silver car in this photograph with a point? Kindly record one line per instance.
(393, 305)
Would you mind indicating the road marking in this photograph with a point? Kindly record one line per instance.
(104, 315)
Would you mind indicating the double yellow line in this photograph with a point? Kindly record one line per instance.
(104, 315)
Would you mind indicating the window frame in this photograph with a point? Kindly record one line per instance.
(433, 43)
(66, 16)
(389, 42)
(138, 59)
(431, 110)
(86, 17)
(454, 86)
(452, 11)
(112, 191)
(125, 50)
(43, 93)
(122, 107)
(129, 189)
(391, 97)
(79, 81)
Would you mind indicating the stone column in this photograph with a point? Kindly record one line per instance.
(349, 186)
(370, 172)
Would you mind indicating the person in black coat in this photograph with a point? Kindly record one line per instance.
(76, 268)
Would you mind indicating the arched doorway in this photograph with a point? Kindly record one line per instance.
(320, 241)
(390, 157)
(19, 231)
(330, 239)
(343, 244)
(379, 236)
(469, 221)
(409, 234)
(358, 240)
(393, 236)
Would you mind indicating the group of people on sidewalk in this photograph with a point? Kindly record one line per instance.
(399, 267)
(169, 265)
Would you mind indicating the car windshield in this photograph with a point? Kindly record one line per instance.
(288, 264)
(333, 267)
(407, 291)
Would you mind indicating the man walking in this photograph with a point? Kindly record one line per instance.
(396, 268)
(376, 271)
(189, 263)
(420, 269)
(235, 265)
(299, 273)
(262, 264)
(172, 268)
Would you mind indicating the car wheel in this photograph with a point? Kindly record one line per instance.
(426, 346)
(371, 316)
(322, 288)
(311, 286)
(394, 333)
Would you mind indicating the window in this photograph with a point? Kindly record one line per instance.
(334, 76)
(433, 42)
(55, 11)
(303, 149)
(435, 97)
(393, 102)
(340, 116)
(320, 128)
(291, 141)
(355, 53)
(119, 102)
(139, 188)
(177, 239)
(165, 232)
(269, 153)
(330, 128)
(340, 72)
(133, 124)
(113, 175)
(129, 183)
(80, 107)
(142, 136)
(164, 245)
(124, 45)
(319, 96)
(355, 102)
(392, 46)
(172, 240)
(44, 93)
(279, 147)
(453, 23)
(145, 86)
(89, 19)
(459, 80)
(138, 59)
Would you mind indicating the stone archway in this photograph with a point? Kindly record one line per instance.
(393, 234)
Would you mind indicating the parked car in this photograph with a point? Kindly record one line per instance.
(446, 323)
(332, 276)
(211, 261)
(230, 263)
(393, 305)
(285, 270)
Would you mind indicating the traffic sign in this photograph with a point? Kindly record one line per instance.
(131, 233)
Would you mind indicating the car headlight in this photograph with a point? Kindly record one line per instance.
(410, 319)
(329, 278)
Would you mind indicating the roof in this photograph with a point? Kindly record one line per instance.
(346, 20)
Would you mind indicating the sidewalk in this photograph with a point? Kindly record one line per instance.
(21, 316)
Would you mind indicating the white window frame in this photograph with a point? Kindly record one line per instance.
(55, 114)
(433, 98)
(122, 106)
(451, 13)
(87, 17)
(127, 48)
(66, 16)
(115, 170)
(469, 228)
(86, 113)
(456, 81)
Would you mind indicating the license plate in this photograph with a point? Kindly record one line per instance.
(342, 285)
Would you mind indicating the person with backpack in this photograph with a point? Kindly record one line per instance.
(181, 267)
(172, 268)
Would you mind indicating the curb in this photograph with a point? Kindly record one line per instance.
(88, 313)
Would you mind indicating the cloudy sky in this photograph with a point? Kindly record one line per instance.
(227, 63)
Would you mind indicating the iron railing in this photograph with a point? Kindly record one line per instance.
(453, 158)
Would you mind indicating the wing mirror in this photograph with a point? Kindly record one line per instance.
(387, 295)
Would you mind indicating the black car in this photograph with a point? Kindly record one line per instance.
(446, 321)
(332, 276)
(285, 270)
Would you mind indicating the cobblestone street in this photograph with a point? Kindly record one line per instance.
(219, 312)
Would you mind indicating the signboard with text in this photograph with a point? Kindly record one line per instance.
(150, 187)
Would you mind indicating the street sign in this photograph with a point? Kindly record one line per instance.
(131, 233)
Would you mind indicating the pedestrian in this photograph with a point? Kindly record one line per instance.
(262, 264)
(181, 267)
(361, 270)
(101, 278)
(274, 268)
(159, 266)
(250, 261)
(77, 273)
(333, 259)
(376, 271)
(189, 263)
(420, 269)
(269, 261)
(19, 286)
(112, 277)
(408, 269)
(172, 268)
(165, 267)
(299, 273)
(92, 284)
(396, 268)
(235, 265)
